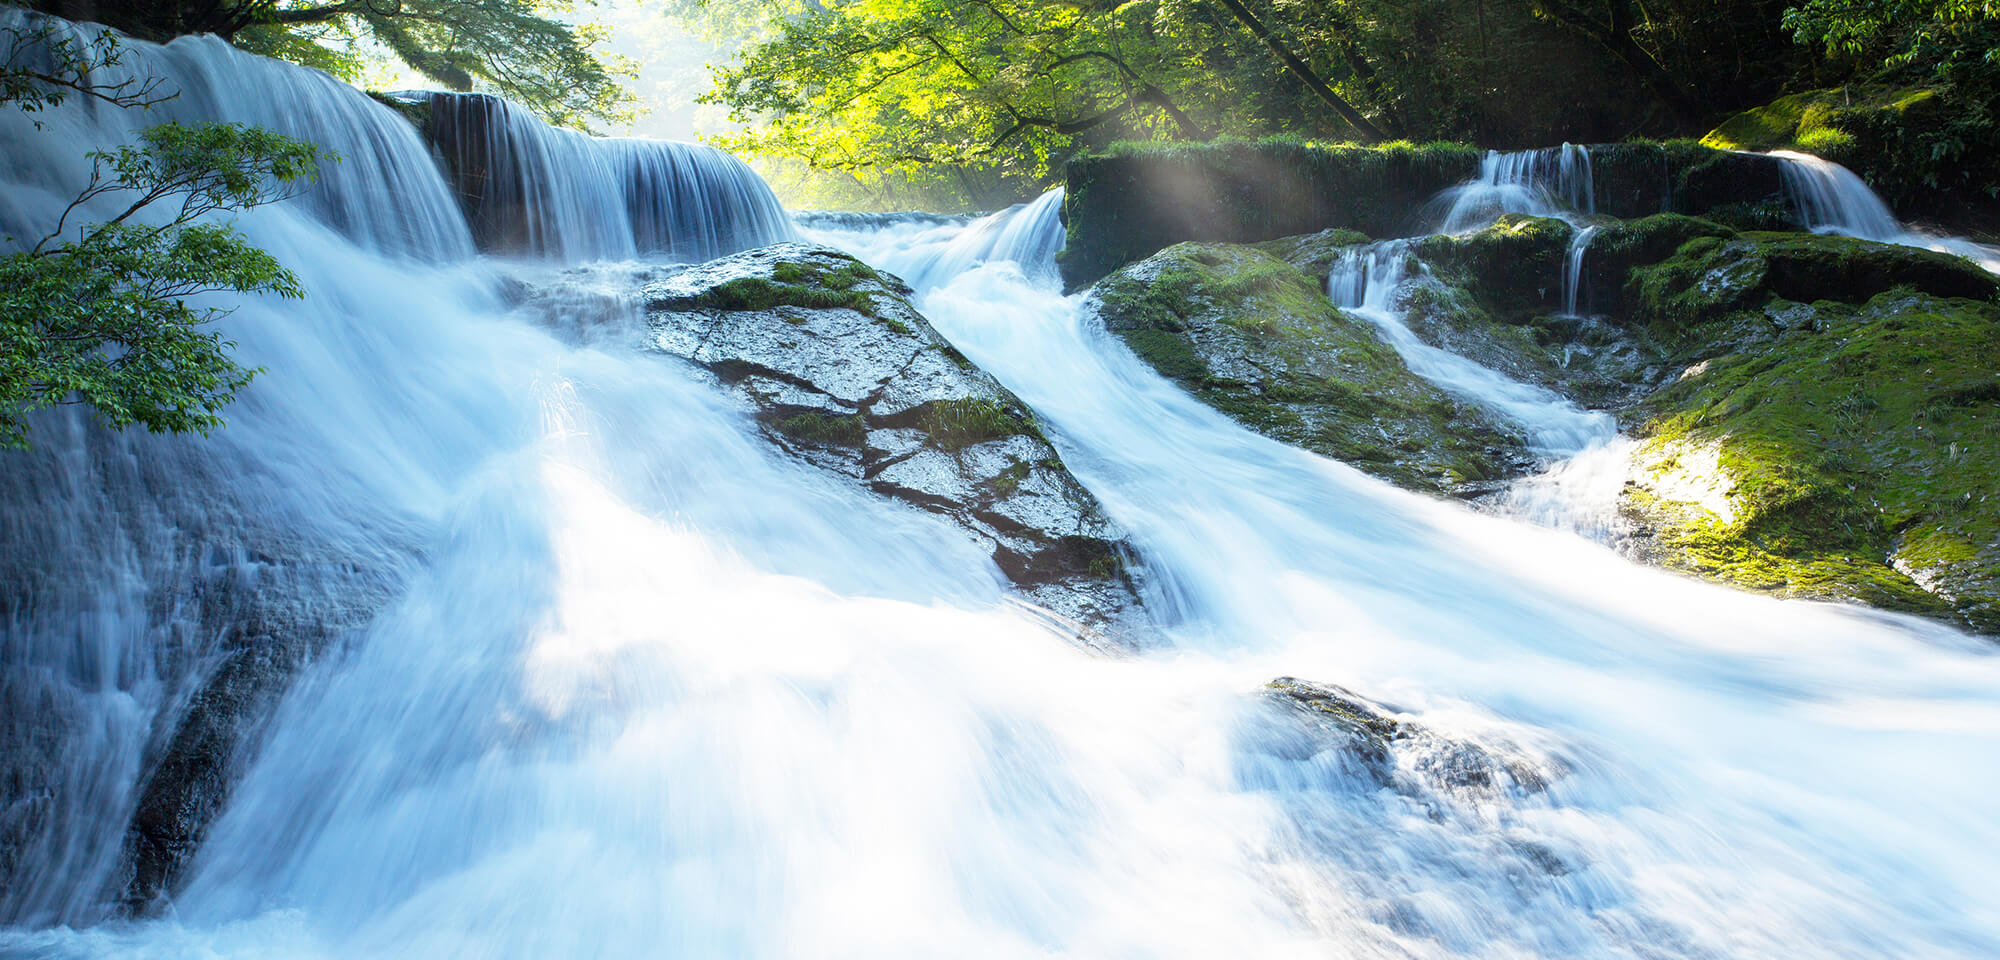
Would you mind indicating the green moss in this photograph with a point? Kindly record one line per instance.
(801, 284)
(758, 293)
(824, 429)
(956, 424)
(1711, 277)
(1856, 454)
(1256, 338)
(1514, 265)
(1007, 481)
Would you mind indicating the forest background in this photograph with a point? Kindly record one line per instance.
(957, 105)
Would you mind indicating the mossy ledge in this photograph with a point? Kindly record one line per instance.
(1929, 149)
(1131, 201)
(1256, 338)
(1818, 416)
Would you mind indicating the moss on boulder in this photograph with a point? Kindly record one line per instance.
(1714, 277)
(1853, 458)
(1256, 338)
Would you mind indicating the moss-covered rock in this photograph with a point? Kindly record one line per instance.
(1931, 151)
(1127, 203)
(1496, 297)
(1256, 338)
(1853, 457)
(1714, 277)
(1315, 253)
(1641, 178)
(839, 369)
(1514, 266)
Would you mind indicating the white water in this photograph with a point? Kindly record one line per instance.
(645, 688)
(559, 194)
(1832, 199)
(1365, 282)
(1579, 244)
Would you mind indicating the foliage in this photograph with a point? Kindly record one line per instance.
(1901, 31)
(523, 50)
(981, 101)
(1000, 87)
(46, 64)
(100, 314)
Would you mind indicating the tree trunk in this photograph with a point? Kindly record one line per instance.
(1305, 73)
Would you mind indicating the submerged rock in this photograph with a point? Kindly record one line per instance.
(1401, 753)
(1256, 338)
(844, 373)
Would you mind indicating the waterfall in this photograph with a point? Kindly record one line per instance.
(1365, 280)
(589, 668)
(1579, 244)
(925, 252)
(1830, 198)
(537, 190)
(1555, 181)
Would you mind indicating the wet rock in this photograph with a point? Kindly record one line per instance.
(205, 604)
(1403, 754)
(841, 371)
(1256, 338)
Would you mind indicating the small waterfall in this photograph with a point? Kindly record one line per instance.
(1830, 198)
(926, 252)
(1365, 280)
(1554, 181)
(535, 190)
(1579, 244)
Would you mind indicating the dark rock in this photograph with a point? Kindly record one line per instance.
(1681, 176)
(1129, 204)
(1373, 734)
(845, 374)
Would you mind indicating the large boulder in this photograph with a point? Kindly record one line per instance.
(1852, 453)
(1256, 337)
(842, 371)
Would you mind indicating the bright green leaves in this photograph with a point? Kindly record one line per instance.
(109, 314)
(524, 50)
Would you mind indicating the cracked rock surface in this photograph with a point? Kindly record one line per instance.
(841, 371)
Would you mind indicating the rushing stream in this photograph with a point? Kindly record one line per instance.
(606, 674)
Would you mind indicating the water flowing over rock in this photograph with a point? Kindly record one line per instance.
(841, 370)
(540, 605)
(530, 189)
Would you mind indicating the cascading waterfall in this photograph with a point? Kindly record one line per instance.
(1579, 244)
(1547, 182)
(536, 190)
(607, 676)
(1633, 657)
(1830, 198)
(1365, 281)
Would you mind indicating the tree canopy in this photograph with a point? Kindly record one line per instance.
(982, 98)
(524, 50)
